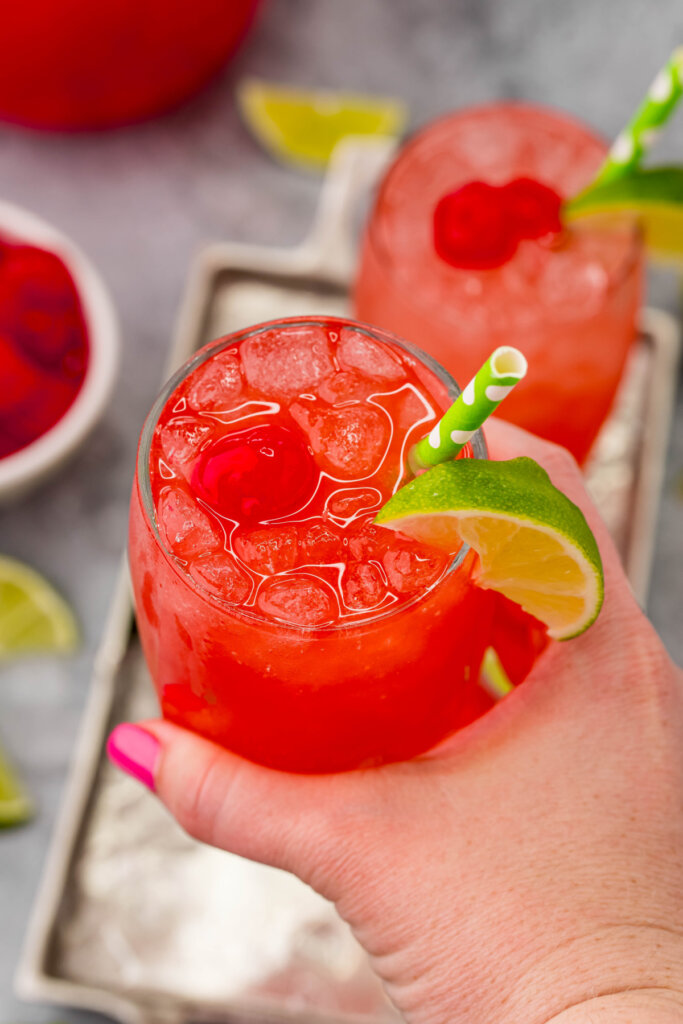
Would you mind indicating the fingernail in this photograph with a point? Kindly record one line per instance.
(135, 751)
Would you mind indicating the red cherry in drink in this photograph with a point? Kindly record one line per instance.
(533, 208)
(472, 229)
(256, 474)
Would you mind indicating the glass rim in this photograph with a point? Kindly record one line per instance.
(201, 356)
(383, 252)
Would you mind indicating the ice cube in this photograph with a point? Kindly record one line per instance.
(269, 550)
(356, 351)
(368, 541)
(346, 386)
(216, 385)
(573, 284)
(186, 528)
(181, 439)
(220, 575)
(320, 544)
(362, 586)
(347, 503)
(349, 442)
(410, 569)
(410, 407)
(287, 362)
(298, 599)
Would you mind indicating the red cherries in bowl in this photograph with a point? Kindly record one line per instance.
(43, 343)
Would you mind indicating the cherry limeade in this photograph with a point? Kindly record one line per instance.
(275, 618)
(465, 250)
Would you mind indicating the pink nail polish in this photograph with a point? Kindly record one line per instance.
(135, 751)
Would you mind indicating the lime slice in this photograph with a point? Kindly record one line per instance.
(655, 196)
(493, 677)
(33, 617)
(534, 544)
(303, 126)
(15, 804)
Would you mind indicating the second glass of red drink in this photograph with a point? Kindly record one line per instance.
(465, 250)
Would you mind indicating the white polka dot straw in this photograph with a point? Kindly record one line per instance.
(635, 139)
(501, 372)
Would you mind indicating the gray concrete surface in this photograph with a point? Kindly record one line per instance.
(140, 201)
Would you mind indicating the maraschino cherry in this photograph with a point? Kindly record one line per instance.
(533, 207)
(256, 474)
(471, 229)
(479, 226)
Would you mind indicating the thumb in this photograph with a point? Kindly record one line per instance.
(296, 822)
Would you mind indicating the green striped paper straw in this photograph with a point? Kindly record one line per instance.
(498, 376)
(637, 137)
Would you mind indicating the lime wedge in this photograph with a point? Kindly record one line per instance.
(493, 677)
(33, 616)
(303, 126)
(534, 544)
(15, 804)
(655, 196)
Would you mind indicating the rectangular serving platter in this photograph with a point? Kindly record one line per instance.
(144, 924)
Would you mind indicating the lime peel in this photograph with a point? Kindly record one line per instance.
(534, 544)
(654, 195)
(303, 126)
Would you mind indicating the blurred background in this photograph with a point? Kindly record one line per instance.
(141, 200)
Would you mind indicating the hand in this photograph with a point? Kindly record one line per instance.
(529, 868)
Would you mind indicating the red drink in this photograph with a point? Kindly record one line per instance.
(569, 301)
(275, 618)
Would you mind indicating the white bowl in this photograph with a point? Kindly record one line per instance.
(23, 470)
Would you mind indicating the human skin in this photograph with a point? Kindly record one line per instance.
(527, 870)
